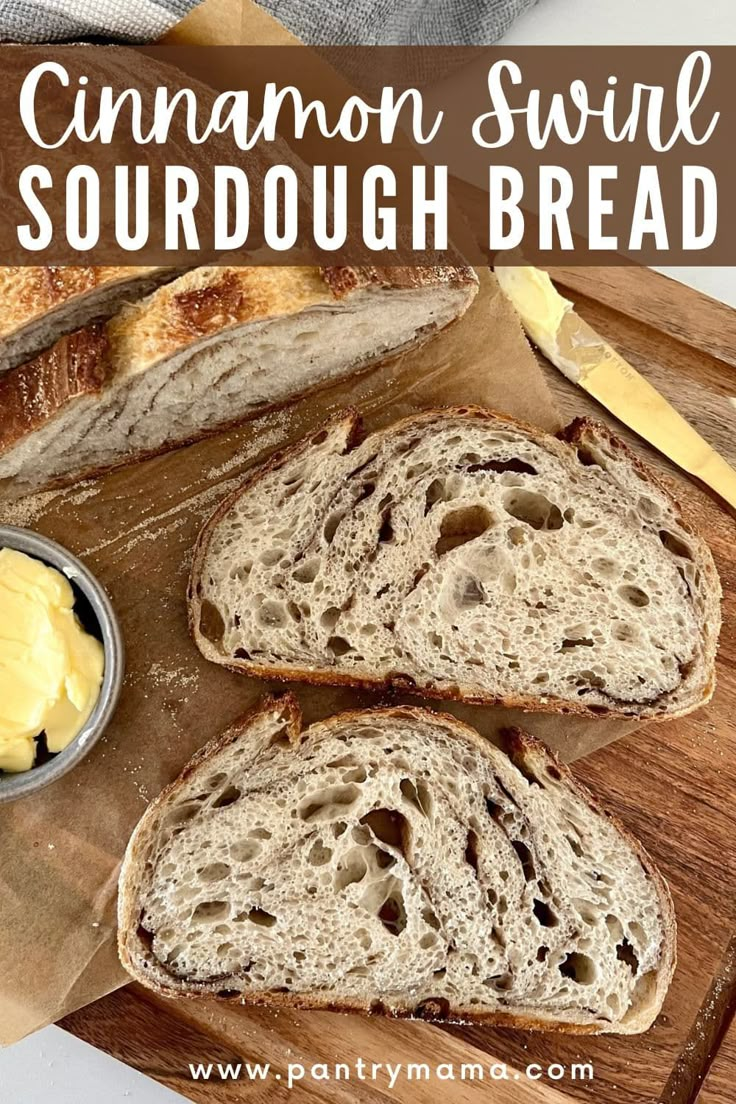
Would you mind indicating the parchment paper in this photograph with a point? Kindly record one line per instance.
(60, 850)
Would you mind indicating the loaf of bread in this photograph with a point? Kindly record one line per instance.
(465, 556)
(393, 861)
(211, 349)
(42, 303)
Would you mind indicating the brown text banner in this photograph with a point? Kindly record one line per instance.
(365, 155)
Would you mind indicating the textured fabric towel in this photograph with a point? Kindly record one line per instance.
(322, 22)
(72, 20)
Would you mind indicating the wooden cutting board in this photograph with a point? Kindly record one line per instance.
(673, 785)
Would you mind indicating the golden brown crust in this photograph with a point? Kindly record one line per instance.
(209, 309)
(30, 292)
(209, 301)
(201, 304)
(525, 751)
(34, 393)
(318, 1003)
(345, 279)
(560, 444)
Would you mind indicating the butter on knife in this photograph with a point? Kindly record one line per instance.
(587, 360)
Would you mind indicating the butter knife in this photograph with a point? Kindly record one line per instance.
(586, 359)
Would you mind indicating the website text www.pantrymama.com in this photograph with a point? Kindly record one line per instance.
(387, 1073)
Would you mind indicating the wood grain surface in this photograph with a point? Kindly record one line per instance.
(718, 1080)
(673, 784)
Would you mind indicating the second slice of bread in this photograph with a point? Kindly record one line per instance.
(393, 861)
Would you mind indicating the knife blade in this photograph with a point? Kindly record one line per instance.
(586, 359)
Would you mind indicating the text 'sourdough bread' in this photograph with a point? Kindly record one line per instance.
(393, 861)
(464, 556)
(212, 349)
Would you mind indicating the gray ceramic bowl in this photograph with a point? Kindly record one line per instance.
(98, 617)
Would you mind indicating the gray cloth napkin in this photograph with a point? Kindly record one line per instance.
(72, 20)
(398, 22)
(320, 22)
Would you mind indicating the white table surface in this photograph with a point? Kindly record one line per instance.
(53, 1067)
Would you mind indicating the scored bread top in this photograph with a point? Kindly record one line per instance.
(211, 349)
(391, 860)
(45, 303)
(77, 367)
(207, 302)
(30, 292)
(463, 555)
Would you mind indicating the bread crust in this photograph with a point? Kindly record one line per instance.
(568, 437)
(576, 434)
(33, 291)
(342, 280)
(37, 392)
(46, 302)
(182, 313)
(523, 749)
(208, 301)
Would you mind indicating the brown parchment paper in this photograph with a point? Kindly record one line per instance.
(60, 850)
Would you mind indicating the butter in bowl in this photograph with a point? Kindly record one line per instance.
(61, 661)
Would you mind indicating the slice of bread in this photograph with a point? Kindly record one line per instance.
(212, 349)
(393, 861)
(461, 555)
(43, 303)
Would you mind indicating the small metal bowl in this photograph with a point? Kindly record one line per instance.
(96, 612)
